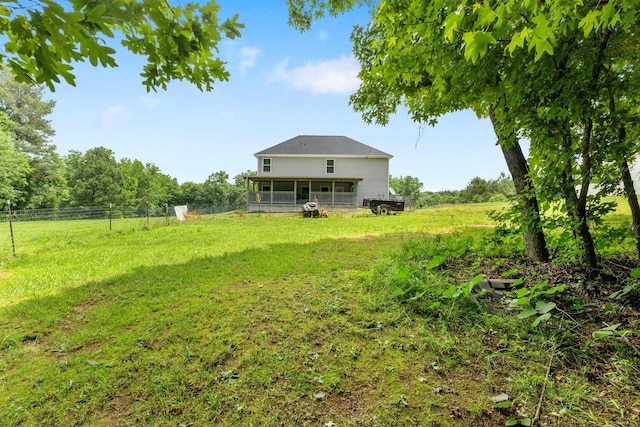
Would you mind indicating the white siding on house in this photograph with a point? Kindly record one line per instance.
(375, 174)
(635, 174)
(373, 171)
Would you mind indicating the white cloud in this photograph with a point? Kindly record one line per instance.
(113, 114)
(248, 56)
(280, 73)
(320, 77)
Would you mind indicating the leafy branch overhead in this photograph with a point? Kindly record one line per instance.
(180, 42)
(558, 73)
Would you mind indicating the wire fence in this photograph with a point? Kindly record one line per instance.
(106, 212)
(31, 224)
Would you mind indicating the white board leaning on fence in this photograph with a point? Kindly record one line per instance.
(181, 212)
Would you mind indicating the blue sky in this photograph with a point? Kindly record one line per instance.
(283, 83)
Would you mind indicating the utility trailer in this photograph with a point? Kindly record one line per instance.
(384, 206)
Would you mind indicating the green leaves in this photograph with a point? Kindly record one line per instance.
(532, 306)
(476, 44)
(518, 422)
(179, 42)
(453, 23)
(462, 290)
(609, 331)
(96, 13)
(542, 309)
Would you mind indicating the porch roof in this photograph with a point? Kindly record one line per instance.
(300, 178)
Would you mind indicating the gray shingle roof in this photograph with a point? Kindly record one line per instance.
(322, 145)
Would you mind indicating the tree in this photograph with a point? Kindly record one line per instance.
(191, 193)
(27, 113)
(15, 166)
(482, 190)
(146, 185)
(47, 184)
(442, 81)
(42, 39)
(546, 71)
(477, 190)
(407, 187)
(95, 178)
(215, 189)
(239, 180)
(562, 108)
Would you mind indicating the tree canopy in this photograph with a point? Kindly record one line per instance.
(42, 39)
(562, 74)
(15, 165)
(27, 120)
(95, 178)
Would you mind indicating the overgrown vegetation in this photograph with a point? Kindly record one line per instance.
(478, 190)
(584, 327)
(354, 319)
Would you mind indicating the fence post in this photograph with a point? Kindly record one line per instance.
(110, 214)
(166, 212)
(13, 243)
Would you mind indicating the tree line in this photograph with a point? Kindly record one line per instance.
(34, 175)
(478, 190)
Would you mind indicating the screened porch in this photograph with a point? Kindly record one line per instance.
(289, 194)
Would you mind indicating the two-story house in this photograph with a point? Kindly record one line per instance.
(337, 171)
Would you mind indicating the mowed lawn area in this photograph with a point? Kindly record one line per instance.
(264, 320)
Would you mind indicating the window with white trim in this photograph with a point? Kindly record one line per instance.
(331, 166)
(266, 165)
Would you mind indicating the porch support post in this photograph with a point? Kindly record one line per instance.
(295, 191)
(246, 189)
(333, 193)
(355, 195)
(271, 192)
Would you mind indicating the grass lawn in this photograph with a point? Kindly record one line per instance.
(238, 320)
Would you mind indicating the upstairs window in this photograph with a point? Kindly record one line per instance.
(331, 166)
(266, 165)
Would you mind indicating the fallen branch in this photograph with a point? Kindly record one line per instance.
(544, 386)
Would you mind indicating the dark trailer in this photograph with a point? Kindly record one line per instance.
(384, 206)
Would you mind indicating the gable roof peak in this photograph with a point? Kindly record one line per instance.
(329, 145)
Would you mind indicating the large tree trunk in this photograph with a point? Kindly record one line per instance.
(576, 207)
(627, 181)
(632, 199)
(585, 233)
(578, 212)
(535, 245)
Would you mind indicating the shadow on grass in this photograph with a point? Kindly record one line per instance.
(270, 336)
(169, 342)
(207, 275)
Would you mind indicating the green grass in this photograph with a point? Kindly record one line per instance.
(52, 256)
(251, 320)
